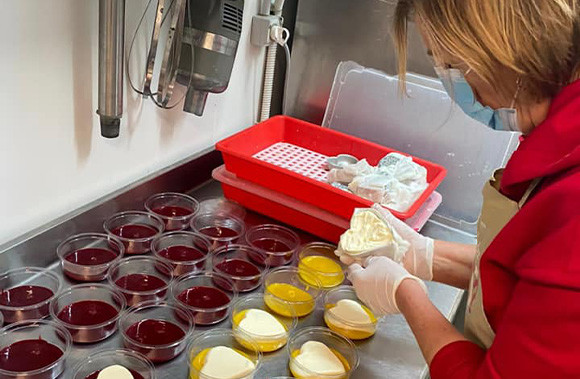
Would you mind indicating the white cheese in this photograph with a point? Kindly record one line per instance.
(353, 314)
(369, 235)
(222, 362)
(318, 359)
(261, 323)
(115, 372)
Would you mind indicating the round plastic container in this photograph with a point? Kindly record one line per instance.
(202, 343)
(288, 294)
(220, 229)
(340, 346)
(277, 242)
(265, 343)
(222, 206)
(158, 330)
(204, 296)
(141, 278)
(135, 229)
(175, 209)
(235, 262)
(16, 302)
(319, 258)
(88, 311)
(35, 332)
(185, 251)
(87, 257)
(348, 328)
(138, 364)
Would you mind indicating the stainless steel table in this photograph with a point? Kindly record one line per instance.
(391, 353)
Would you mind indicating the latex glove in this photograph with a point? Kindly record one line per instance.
(377, 282)
(417, 258)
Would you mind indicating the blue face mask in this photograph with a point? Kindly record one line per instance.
(462, 94)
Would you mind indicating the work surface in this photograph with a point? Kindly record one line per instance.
(391, 353)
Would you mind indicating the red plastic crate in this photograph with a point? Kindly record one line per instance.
(239, 149)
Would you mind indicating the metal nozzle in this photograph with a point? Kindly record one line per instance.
(195, 101)
(111, 51)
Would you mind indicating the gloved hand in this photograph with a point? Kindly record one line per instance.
(418, 260)
(377, 282)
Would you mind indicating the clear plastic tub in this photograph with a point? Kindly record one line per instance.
(158, 330)
(340, 346)
(139, 365)
(203, 296)
(220, 205)
(288, 294)
(26, 293)
(175, 209)
(319, 258)
(185, 251)
(348, 328)
(265, 343)
(220, 229)
(277, 242)
(26, 339)
(237, 262)
(202, 343)
(141, 278)
(87, 257)
(135, 229)
(88, 311)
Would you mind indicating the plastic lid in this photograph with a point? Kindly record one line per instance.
(368, 104)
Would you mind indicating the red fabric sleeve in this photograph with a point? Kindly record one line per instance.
(539, 334)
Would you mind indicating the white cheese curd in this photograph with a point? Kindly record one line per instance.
(261, 323)
(317, 358)
(370, 235)
(225, 363)
(115, 372)
(354, 315)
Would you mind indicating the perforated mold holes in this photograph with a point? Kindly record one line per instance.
(296, 159)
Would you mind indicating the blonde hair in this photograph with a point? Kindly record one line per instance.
(538, 40)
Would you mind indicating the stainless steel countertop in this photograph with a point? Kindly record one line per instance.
(392, 352)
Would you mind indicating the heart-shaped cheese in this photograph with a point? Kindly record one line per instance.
(318, 359)
(225, 363)
(115, 372)
(261, 323)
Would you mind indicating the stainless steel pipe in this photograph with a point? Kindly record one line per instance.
(111, 54)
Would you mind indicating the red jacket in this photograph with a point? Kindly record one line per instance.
(530, 274)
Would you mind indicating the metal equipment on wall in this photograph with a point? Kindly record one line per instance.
(213, 29)
(328, 32)
(111, 60)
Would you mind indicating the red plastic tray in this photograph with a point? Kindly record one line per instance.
(238, 151)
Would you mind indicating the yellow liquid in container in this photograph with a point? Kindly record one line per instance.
(351, 331)
(288, 300)
(265, 344)
(199, 361)
(338, 355)
(325, 269)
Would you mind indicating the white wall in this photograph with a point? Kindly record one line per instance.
(52, 158)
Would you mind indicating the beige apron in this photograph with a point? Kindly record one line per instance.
(496, 212)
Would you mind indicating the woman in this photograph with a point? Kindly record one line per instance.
(513, 65)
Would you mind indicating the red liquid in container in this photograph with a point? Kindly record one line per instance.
(219, 232)
(91, 256)
(240, 268)
(135, 231)
(155, 333)
(86, 313)
(135, 374)
(172, 211)
(141, 283)
(23, 296)
(29, 355)
(206, 298)
(274, 247)
(181, 253)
